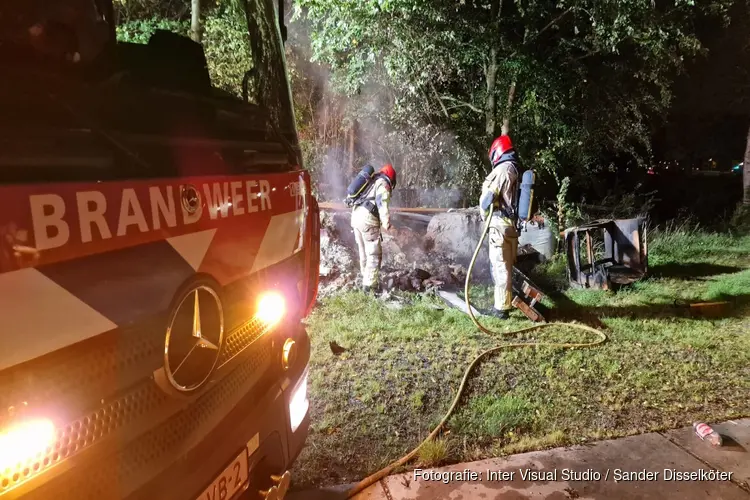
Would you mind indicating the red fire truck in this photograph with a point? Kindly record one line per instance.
(159, 248)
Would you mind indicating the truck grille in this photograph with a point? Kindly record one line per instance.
(70, 384)
(130, 466)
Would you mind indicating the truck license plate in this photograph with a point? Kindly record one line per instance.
(229, 482)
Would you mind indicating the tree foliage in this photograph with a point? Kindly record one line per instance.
(579, 81)
(426, 84)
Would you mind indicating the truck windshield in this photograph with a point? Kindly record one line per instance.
(145, 80)
(238, 45)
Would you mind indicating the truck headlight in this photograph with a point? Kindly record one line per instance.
(24, 442)
(298, 403)
(271, 308)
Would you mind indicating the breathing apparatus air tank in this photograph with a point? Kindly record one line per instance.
(526, 196)
(358, 184)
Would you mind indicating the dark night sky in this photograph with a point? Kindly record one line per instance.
(710, 114)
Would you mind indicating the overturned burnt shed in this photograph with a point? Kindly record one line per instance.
(606, 254)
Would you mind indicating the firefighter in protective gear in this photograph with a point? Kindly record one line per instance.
(368, 217)
(499, 190)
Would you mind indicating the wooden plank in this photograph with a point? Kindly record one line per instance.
(589, 249)
(326, 205)
(527, 310)
(453, 300)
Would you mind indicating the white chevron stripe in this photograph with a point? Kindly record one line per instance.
(279, 241)
(38, 316)
(193, 246)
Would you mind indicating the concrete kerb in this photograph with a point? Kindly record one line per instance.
(649, 466)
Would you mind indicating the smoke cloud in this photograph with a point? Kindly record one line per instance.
(433, 168)
(332, 179)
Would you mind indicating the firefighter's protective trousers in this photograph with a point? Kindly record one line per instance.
(367, 231)
(503, 241)
(499, 189)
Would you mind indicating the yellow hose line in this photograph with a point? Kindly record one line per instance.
(602, 337)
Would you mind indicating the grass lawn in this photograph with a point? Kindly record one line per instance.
(659, 369)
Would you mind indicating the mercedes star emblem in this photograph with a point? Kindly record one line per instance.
(191, 200)
(194, 339)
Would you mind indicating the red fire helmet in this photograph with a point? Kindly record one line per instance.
(499, 146)
(389, 172)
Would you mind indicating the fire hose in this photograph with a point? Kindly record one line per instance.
(601, 338)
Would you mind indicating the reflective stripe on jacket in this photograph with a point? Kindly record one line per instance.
(502, 183)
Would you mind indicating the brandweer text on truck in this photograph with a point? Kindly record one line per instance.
(159, 248)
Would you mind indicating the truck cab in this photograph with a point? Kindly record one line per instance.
(159, 250)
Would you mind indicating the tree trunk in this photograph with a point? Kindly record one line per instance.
(195, 20)
(491, 73)
(489, 108)
(508, 109)
(746, 173)
(325, 123)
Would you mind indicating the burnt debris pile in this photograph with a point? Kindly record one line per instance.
(424, 253)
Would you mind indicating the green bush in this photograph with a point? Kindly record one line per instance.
(740, 221)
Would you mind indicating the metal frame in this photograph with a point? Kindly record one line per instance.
(625, 253)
